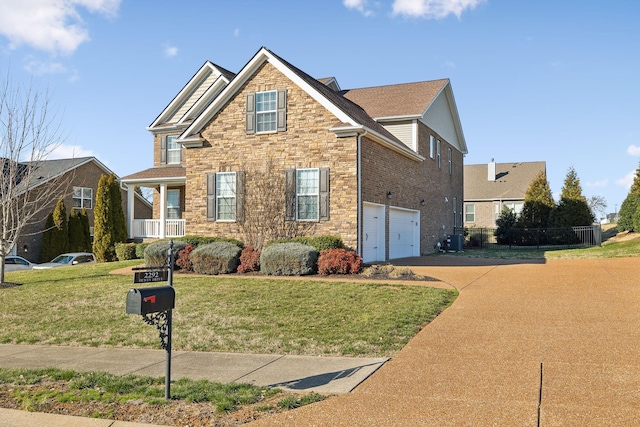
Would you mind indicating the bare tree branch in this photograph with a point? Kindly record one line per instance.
(28, 135)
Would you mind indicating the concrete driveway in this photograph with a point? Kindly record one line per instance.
(527, 343)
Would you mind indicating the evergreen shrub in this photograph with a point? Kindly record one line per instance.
(249, 260)
(155, 254)
(196, 241)
(320, 243)
(216, 258)
(140, 247)
(289, 259)
(339, 261)
(125, 251)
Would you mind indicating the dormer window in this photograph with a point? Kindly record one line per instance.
(266, 111)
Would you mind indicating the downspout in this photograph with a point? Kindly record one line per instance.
(359, 195)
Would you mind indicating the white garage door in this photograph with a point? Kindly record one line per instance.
(373, 233)
(404, 233)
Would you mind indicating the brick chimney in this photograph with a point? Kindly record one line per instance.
(491, 171)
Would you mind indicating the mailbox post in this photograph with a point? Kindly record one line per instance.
(155, 304)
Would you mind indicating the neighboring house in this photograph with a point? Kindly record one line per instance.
(489, 188)
(80, 177)
(381, 167)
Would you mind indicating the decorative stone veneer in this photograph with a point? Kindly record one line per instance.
(307, 143)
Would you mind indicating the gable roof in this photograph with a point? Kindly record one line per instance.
(199, 91)
(511, 183)
(431, 102)
(48, 170)
(406, 100)
(349, 116)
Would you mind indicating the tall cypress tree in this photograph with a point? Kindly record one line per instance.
(538, 203)
(86, 232)
(573, 209)
(109, 225)
(630, 207)
(47, 251)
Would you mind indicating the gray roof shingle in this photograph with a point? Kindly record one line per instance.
(512, 180)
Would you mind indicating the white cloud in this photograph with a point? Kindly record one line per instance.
(53, 26)
(236, 32)
(450, 64)
(433, 9)
(598, 184)
(633, 150)
(627, 180)
(359, 5)
(40, 68)
(68, 152)
(170, 51)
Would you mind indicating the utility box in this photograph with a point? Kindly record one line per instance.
(151, 300)
(455, 242)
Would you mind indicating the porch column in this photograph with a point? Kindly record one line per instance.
(131, 204)
(163, 210)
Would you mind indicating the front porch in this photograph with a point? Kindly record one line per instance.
(147, 228)
(167, 211)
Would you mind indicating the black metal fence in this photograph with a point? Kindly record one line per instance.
(531, 238)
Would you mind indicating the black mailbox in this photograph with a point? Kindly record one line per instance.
(151, 300)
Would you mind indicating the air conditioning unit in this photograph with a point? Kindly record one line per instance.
(455, 242)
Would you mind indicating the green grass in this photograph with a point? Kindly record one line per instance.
(630, 248)
(85, 306)
(31, 389)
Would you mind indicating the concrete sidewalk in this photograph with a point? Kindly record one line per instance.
(326, 375)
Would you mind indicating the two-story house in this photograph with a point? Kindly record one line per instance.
(76, 182)
(257, 154)
(491, 187)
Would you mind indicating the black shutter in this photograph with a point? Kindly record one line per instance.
(240, 196)
(250, 126)
(211, 197)
(163, 149)
(324, 194)
(282, 111)
(290, 194)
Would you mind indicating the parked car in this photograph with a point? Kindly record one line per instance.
(73, 258)
(14, 263)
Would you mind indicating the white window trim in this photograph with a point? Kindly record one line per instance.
(265, 112)
(220, 196)
(438, 156)
(316, 195)
(432, 146)
(82, 198)
(170, 139)
(170, 207)
(450, 153)
(466, 212)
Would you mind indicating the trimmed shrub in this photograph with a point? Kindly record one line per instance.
(339, 261)
(289, 259)
(183, 261)
(249, 260)
(140, 247)
(155, 254)
(125, 251)
(196, 241)
(320, 243)
(216, 258)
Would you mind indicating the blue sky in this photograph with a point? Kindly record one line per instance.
(551, 80)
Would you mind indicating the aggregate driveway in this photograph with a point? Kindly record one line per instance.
(527, 343)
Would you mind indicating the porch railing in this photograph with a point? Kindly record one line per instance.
(151, 228)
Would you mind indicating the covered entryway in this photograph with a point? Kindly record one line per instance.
(404, 233)
(373, 236)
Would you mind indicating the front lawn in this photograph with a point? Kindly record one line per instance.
(85, 306)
